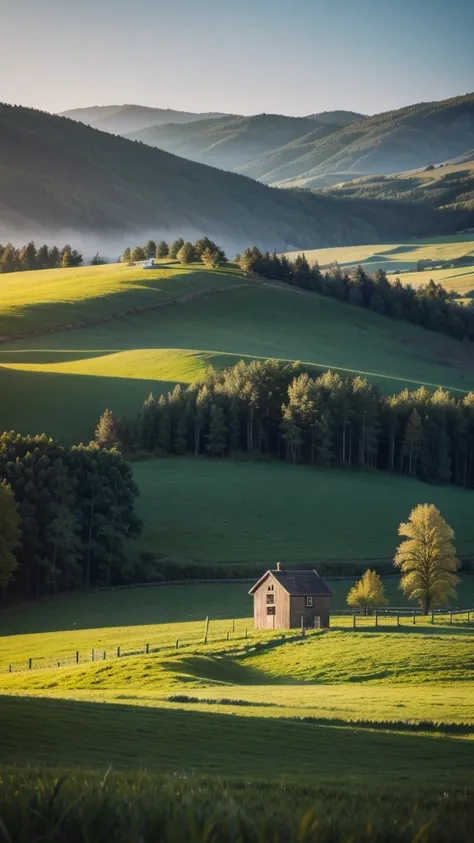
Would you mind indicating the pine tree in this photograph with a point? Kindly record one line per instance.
(54, 257)
(234, 428)
(368, 592)
(109, 432)
(413, 440)
(217, 433)
(150, 249)
(98, 260)
(427, 558)
(42, 257)
(27, 257)
(9, 262)
(138, 254)
(213, 258)
(126, 256)
(9, 534)
(186, 253)
(162, 249)
(175, 247)
(163, 430)
(324, 448)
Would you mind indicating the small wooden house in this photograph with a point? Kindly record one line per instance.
(289, 599)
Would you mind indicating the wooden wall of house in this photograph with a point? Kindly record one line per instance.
(320, 608)
(281, 618)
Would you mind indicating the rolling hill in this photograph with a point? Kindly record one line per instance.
(417, 136)
(125, 332)
(120, 119)
(231, 142)
(449, 185)
(57, 174)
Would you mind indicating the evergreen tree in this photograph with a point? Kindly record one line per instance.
(27, 257)
(54, 257)
(413, 440)
(98, 260)
(202, 245)
(9, 261)
(138, 254)
(126, 256)
(162, 249)
(163, 431)
(427, 558)
(175, 247)
(150, 249)
(109, 431)
(70, 257)
(43, 258)
(218, 432)
(9, 534)
(186, 253)
(234, 428)
(213, 258)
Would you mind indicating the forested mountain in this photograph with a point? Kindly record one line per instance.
(417, 136)
(449, 186)
(120, 119)
(342, 118)
(56, 173)
(230, 142)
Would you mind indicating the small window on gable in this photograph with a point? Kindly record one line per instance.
(309, 601)
(270, 610)
(271, 588)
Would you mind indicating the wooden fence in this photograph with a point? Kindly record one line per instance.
(240, 635)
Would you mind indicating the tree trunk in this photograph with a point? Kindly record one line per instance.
(89, 543)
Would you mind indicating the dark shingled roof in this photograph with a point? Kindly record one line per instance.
(298, 582)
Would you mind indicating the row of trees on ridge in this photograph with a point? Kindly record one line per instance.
(284, 412)
(28, 257)
(429, 305)
(204, 250)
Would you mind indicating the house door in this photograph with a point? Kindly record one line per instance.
(271, 617)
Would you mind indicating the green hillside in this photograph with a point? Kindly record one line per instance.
(446, 185)
(56, 174)
(231, 142)
(416, 136)
(61, 381)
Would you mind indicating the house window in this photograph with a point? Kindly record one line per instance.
(309, 601)
(270, 598)
(270, 610)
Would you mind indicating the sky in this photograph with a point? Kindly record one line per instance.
(242, 56)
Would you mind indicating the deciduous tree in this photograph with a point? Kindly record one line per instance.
(368, 592)
(427, 558)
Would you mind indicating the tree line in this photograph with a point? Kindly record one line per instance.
(28, 257)
(65, 515)
(429, 305)
(204, 250)
(283, 411)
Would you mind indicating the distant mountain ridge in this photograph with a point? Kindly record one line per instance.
(122, 119)
(59, 174)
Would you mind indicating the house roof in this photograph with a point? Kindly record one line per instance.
(297, 582)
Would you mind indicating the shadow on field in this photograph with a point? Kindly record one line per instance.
(67, 406)
(98, 735)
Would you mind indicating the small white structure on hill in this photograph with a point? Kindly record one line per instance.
(149, 264)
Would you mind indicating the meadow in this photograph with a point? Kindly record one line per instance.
(403, 258)
(60, 382)
(198, 510)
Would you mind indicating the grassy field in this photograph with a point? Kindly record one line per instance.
(215, 512)
(403, 257)
(374, 703)
(61, 382)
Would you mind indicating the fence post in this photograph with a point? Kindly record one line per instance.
(468, 617)
(118, 652)
(432, 617)
(414, 615)
(147, 649)
(233, 625)
(376, 618)
(9, 668)
(92, 655)
(104, 655)
(206, 630)
(354, 621)
(227, 636)
(302, 626)
(450, 617)
(30, 663)
(398, 620)
(177, 644)
(77, 656)
(59, 664)
(246, 633)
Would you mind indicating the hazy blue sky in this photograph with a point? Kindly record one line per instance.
(247, 56)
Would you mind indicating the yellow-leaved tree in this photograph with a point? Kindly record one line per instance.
(368, 592)
(427, 558)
